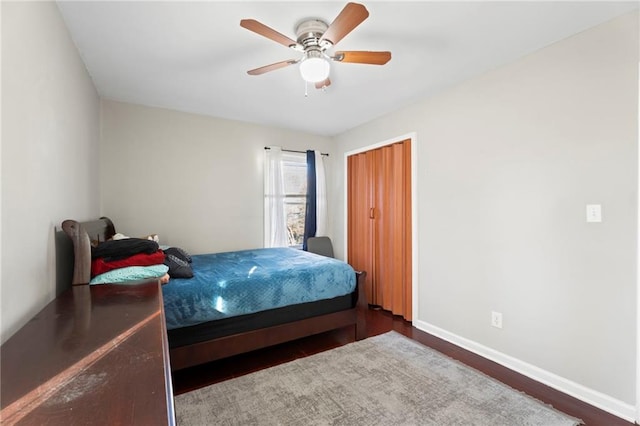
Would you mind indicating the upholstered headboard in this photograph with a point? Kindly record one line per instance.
(82, 235)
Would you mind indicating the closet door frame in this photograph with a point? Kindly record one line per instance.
(412, 137)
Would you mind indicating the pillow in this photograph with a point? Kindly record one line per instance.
(178, 268)
(100, 266)
(179, 253)
(121, 249)
(130, 273)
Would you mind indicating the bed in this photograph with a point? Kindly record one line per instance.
(236, 328)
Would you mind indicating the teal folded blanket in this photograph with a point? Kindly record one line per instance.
(244, 282)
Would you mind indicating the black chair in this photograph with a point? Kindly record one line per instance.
(320, 245)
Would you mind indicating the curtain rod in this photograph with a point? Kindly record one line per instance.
(299, 152)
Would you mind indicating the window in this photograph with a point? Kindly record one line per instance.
(286, 197)
(294, 171)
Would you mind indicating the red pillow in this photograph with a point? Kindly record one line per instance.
(100, 266)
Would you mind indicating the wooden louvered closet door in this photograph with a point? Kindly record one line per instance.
(379, 224)
(360, 200)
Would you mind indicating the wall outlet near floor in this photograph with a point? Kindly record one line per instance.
(496, 319)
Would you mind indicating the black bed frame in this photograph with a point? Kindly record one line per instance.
(83, 233)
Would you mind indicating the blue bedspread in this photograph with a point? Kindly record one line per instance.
(243, 282)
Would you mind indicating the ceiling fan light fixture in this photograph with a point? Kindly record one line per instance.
(315, 39)
(314, 67)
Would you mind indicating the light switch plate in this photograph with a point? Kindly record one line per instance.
(594, 213)
(496, 319)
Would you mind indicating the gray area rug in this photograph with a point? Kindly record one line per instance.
(384, 380)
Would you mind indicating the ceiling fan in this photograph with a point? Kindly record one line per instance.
(314, 39)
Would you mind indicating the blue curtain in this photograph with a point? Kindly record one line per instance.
(310, 213)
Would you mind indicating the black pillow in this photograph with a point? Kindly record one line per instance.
(121, 249)
(178, 268)
(179, 253)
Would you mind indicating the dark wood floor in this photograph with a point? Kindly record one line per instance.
(379, 322)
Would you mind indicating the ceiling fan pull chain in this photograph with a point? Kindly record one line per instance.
(306, 93)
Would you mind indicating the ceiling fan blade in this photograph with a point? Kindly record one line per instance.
(324, 83)
(272, 67)
(350, 17)
(263, 30)
(363, 57)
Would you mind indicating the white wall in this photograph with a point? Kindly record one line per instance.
(196, 181)
(506, 164)
(50, 135)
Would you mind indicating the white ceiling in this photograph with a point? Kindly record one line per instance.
(193, 56)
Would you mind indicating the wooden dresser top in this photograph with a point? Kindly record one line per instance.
(94, 355)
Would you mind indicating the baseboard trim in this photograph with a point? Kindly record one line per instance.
(597, 399)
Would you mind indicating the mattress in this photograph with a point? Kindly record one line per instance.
(232, 284)
(263, 319)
